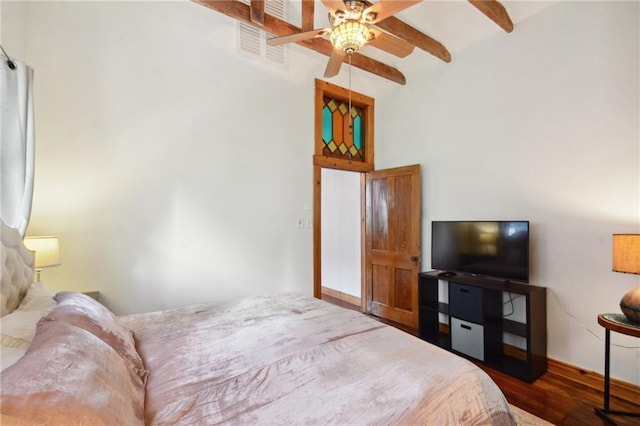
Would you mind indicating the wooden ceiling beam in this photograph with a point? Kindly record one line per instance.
(414, 36)
(494, 11)
(307, 14)
(257, 12)
(241, 12)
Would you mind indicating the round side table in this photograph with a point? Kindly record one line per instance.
(620, 324)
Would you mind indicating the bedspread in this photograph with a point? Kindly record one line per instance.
(291, 359)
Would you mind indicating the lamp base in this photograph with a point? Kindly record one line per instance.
(630, 305)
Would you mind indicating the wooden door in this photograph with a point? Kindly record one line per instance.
(392, 252)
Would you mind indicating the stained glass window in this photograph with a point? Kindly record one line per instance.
(342, 133)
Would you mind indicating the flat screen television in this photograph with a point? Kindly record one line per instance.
(495, 249)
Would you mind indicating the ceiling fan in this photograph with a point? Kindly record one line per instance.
(351, 28)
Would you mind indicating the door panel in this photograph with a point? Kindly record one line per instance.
(381, 284)
(379, 231)
(393, 243)
(402, 295)
(402, 214)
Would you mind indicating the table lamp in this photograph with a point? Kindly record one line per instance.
(47, 252)
(626, 258)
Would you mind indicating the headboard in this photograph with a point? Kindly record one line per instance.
(17, 269)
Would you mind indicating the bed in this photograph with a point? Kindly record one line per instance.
(272, 359)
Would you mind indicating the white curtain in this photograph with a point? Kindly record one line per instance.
(17, 144)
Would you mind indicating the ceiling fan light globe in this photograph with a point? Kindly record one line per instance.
(349, 36)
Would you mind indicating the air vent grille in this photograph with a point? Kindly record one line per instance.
(277, 55)
(252, 42)
(275, 8)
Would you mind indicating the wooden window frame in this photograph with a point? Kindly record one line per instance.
(324, 89)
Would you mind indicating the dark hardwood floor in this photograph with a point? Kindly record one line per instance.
(562, 399)
(563, 396)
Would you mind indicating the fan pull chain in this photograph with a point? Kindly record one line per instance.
(350, 116)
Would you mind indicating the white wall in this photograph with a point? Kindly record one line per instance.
(340, 242)
(13, 28)
(542, 125)
(172, 169)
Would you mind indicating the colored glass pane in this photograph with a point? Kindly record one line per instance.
(338, 126)
(357, 132)
(327, 125)
(348, 131)
(342, 130)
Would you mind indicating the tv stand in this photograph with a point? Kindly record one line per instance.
(472, 323)
(446, 274)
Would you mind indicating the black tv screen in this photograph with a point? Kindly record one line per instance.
(498, 249)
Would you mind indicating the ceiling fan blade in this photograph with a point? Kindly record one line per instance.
(333, 5)
(335, 61)
(386, 8)
(391, 44)
(292, 38)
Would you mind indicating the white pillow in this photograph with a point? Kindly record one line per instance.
(18, 328)
(37, 299)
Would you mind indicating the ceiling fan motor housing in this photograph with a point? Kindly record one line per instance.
(353, 12)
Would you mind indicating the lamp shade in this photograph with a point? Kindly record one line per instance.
(47, 251)
(626, 258)
(626, 253)
(349, 36)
